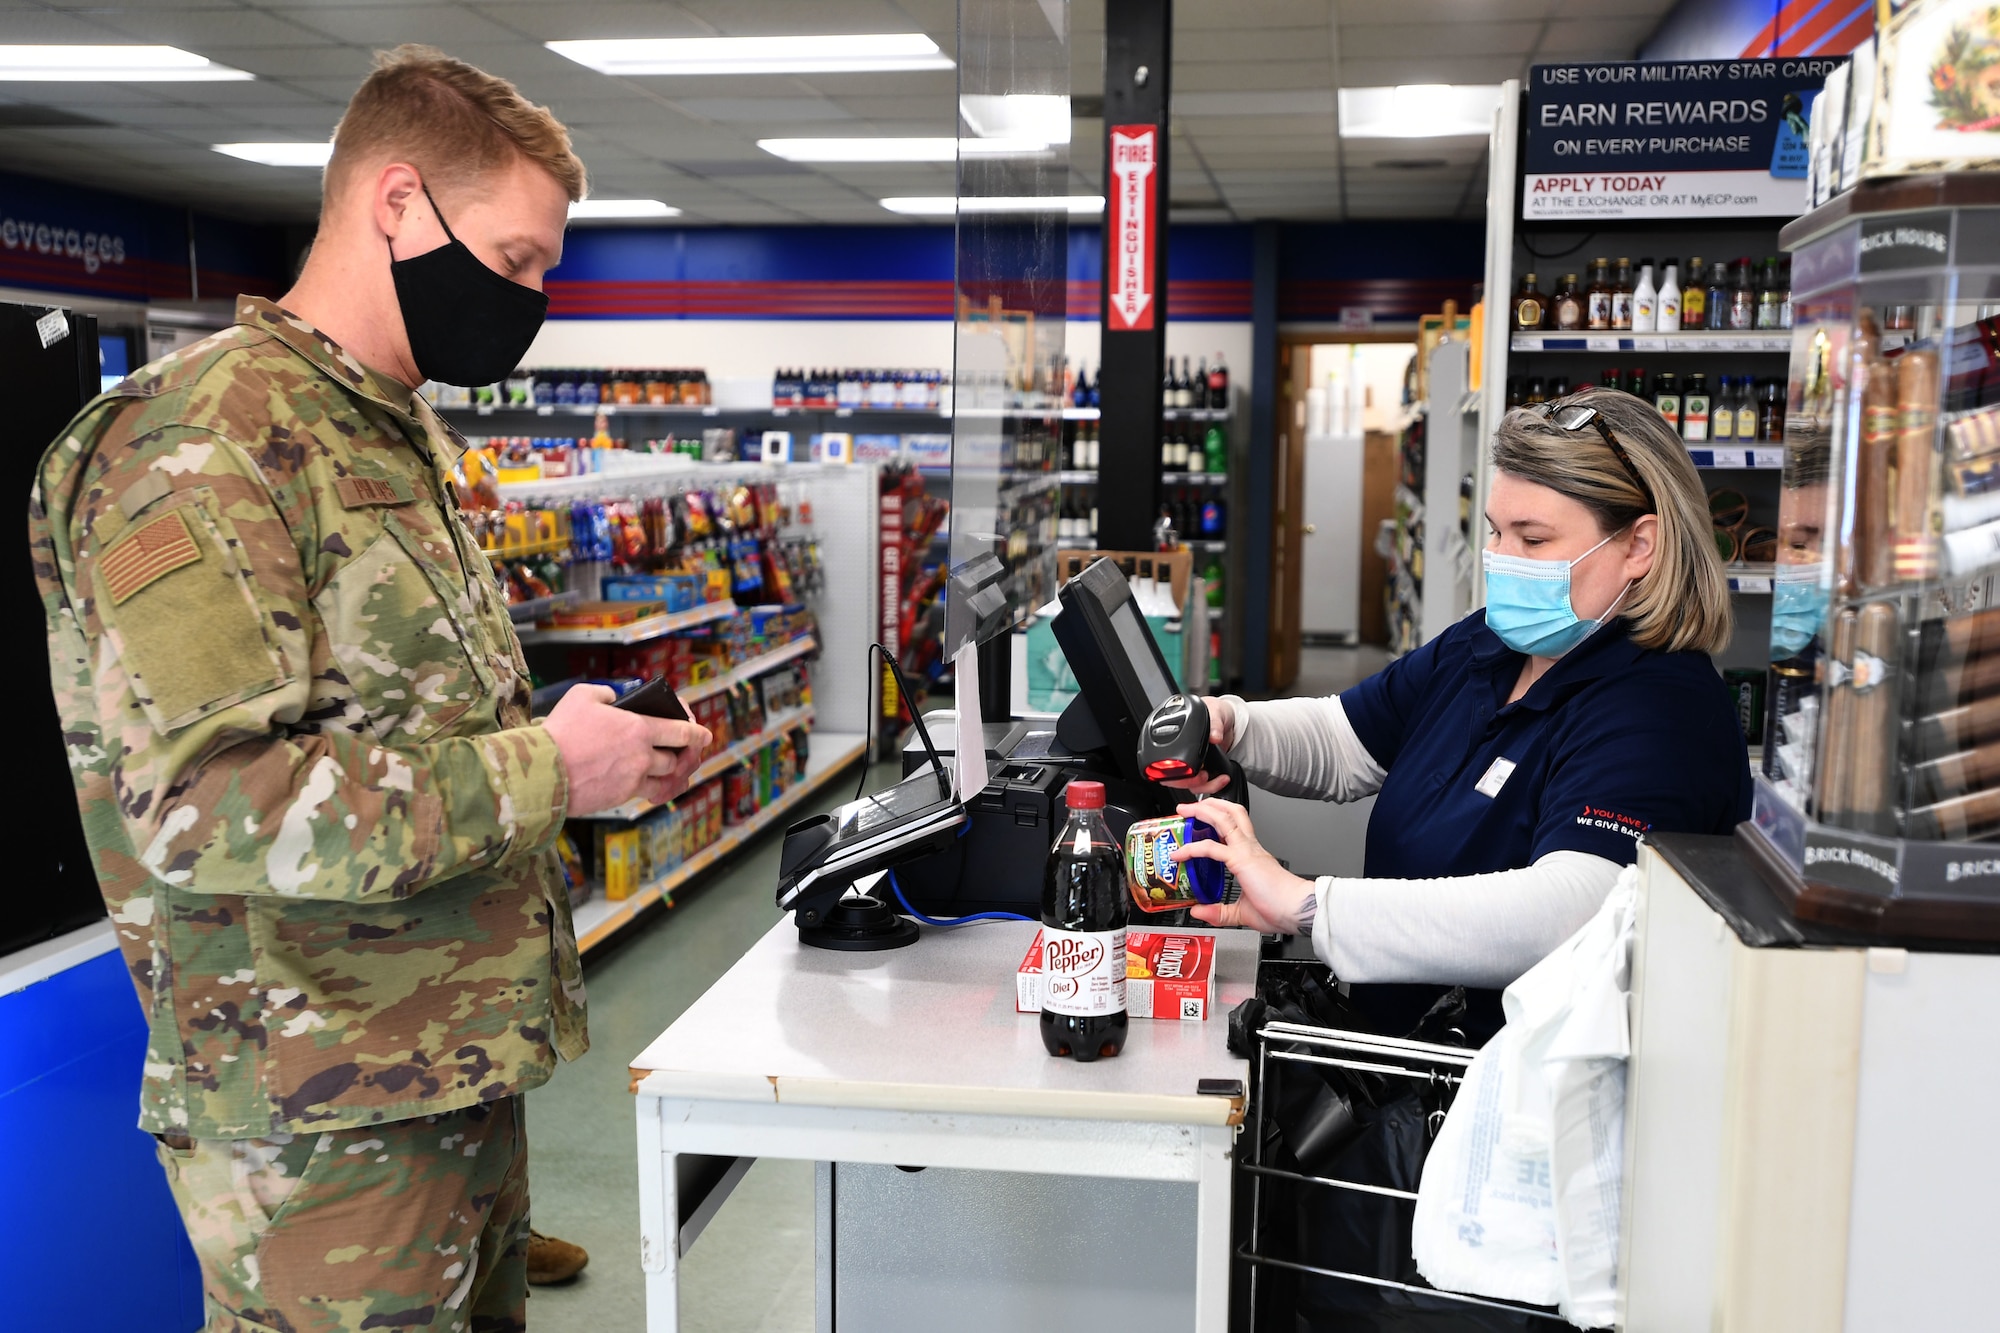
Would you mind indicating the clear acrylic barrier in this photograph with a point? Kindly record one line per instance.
(1011, 304)
(1881, 776)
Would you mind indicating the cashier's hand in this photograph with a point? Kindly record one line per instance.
(1222, 732)
(612, 756)
(1273, 897)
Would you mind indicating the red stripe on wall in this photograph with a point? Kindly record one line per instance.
(1388, 298)
(135, 279)
(825, 300)
(1829, 20)
(1188, 298)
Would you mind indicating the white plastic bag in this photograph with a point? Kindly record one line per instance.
(1519, 1198)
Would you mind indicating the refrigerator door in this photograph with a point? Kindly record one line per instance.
(48, 370)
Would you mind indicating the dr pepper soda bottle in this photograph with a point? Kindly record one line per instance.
(1083, 933)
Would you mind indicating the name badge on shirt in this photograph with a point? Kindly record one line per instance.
(1496, 778)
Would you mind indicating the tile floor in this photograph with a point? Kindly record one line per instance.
(752, 1270)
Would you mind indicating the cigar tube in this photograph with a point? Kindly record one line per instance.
(1955, 775)
(1954, 729)
(1917, 521)
(1875, 478)
(1873, 754)
(1836, 728)
(1974, 815)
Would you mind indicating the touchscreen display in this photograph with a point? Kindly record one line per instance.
(920, 791)
(1137, 641)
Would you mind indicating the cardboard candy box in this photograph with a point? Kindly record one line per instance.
(1167, 975)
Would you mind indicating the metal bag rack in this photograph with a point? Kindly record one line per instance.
(1365, 1053)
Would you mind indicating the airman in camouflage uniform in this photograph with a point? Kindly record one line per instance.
(297, 717)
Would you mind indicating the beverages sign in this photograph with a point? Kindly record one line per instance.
(1672, 139)
(1129, 291)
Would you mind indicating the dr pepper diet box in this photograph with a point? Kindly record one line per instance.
(1166, 976)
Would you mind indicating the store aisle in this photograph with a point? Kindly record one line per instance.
(752, 1270)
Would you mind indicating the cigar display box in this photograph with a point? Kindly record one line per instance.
(1878, 803)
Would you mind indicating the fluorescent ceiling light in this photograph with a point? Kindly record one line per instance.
(944, 205)
(590, 210)
(756, 55)
(1418, 111)
(279, 154)
(105, 64)
(899, 149)
(1040, 116)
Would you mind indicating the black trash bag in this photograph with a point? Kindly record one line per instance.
(1371, 1129)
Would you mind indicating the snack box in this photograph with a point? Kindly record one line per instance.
(603, 615)
(1167, 975)
(680, 592)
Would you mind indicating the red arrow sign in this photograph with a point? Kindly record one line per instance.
(1134, 154)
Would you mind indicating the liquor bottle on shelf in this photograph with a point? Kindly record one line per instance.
(1771, 412)
(1667, 398)
(1621, 295)
(1538, 391)
(1785, 292)
(1635, 382)
(1718, 295)
(1530, 310)
(1694, 297)
(1694, 409)
(1610, 379)
(1669, 318)
(1218, 385)
(1769, 295)
(1568, 304)
(1742, 297)
(1597, 299)
(1080, 394)
(1645, 300)
(1722, 411)
(1559, 386)
(1746, 412)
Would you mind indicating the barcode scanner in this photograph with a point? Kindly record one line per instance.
(1174, 744)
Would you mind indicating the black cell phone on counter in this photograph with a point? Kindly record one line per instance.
(655, 698)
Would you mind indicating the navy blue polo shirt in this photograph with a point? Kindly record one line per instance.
(1613, 742)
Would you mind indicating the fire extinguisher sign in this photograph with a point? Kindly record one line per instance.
(1134, 154)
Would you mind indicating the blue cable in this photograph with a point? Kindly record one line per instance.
(976, 917)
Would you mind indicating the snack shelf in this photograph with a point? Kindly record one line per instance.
(749, 670)
(719, 763)
(599, 918)
(652, 627)
(1698, 340)
(548, 546)
(528, 612)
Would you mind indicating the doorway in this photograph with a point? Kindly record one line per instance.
(1343, 403)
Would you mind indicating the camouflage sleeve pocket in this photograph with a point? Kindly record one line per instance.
(181, 616)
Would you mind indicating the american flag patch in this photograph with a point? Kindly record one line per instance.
(155, 550)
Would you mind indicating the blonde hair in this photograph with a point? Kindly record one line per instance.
(455, 124)
(1682, 602)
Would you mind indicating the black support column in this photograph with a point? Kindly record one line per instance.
(1138, 62)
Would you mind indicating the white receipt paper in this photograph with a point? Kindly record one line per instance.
(969, 750)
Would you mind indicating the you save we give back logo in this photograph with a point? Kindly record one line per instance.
(1612, 822)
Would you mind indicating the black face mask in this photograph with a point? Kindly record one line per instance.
(467, 324)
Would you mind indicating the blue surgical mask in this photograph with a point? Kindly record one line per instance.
(1798, 609)
(1528, 606)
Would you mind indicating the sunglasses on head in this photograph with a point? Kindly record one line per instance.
(1575, 416)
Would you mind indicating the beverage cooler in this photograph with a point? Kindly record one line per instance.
(1879, 796)
(48, 370)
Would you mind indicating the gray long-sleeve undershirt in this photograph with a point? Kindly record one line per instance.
(1471, 930)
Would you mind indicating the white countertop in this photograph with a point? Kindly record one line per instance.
(932, 1027)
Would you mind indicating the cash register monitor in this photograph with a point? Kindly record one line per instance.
(1120, 672)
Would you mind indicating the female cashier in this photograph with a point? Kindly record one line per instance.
(1517, 758)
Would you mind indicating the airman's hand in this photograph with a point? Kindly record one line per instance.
(612, 756)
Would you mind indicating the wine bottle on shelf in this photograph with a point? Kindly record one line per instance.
(1185, 397)
(1198, 387)
(1167, 387)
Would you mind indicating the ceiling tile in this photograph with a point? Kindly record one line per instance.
(1439, 40)
(1388, 70)
(450, 26)
(1201, 15)
(1269, 75)
(572, 20)
(208, 30)
(1362, 13)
